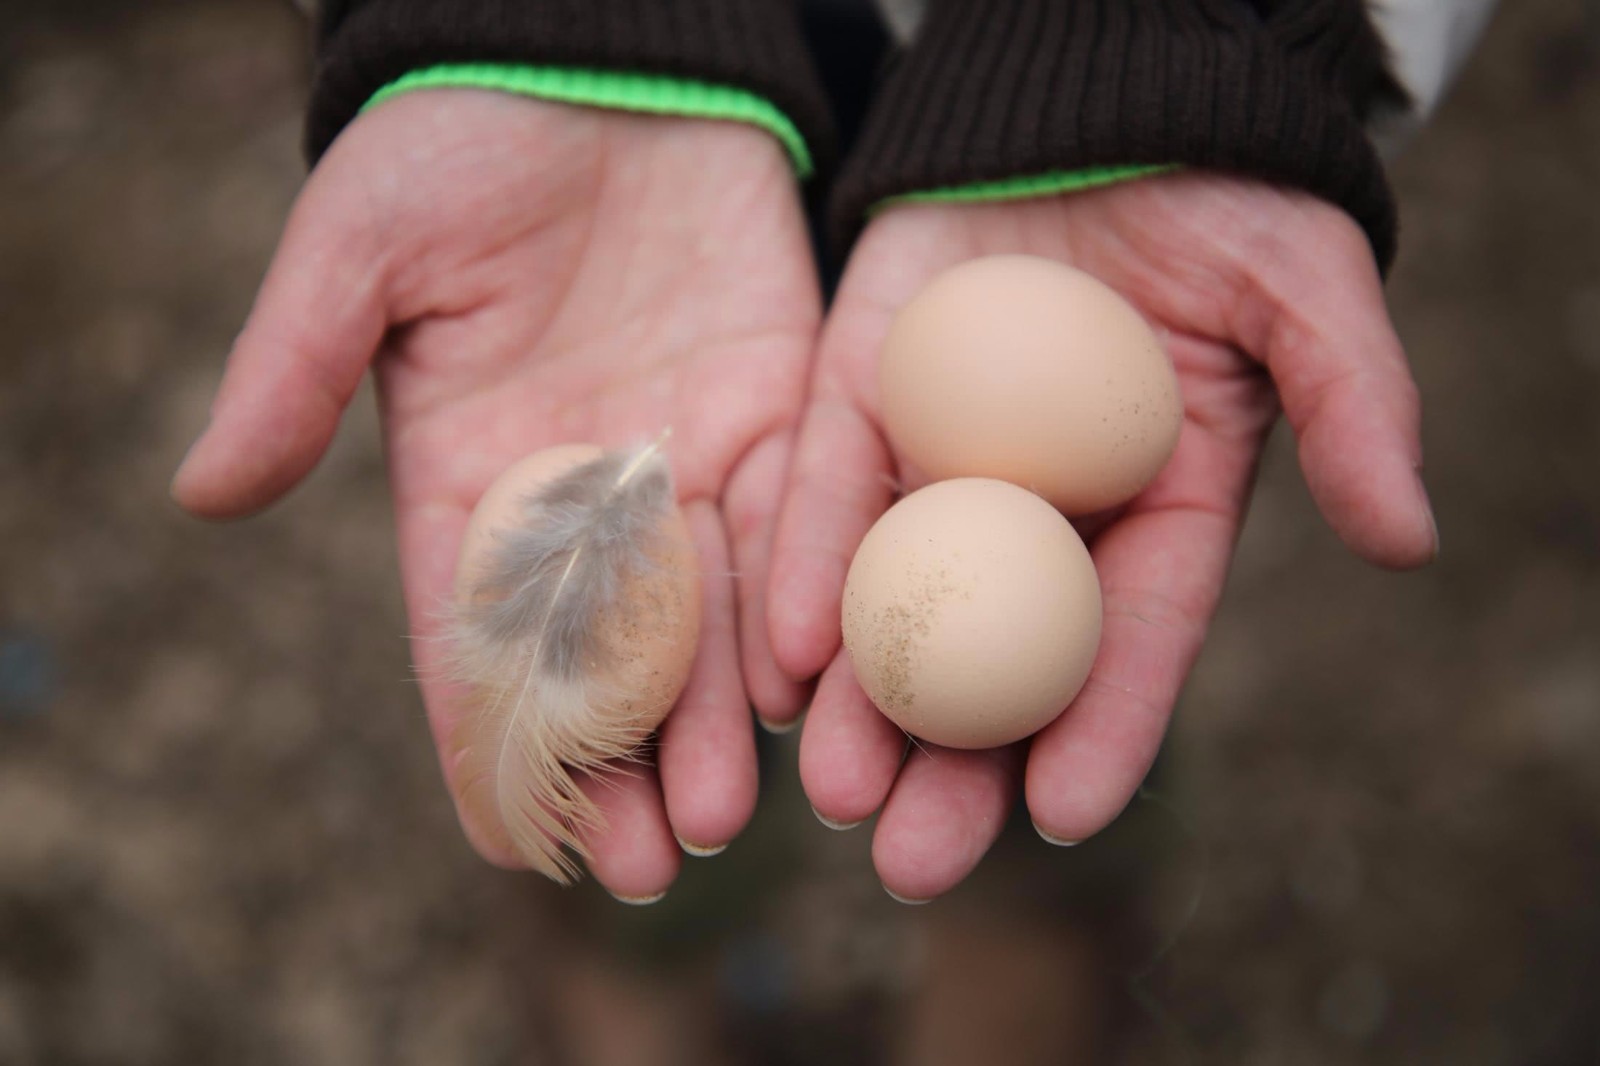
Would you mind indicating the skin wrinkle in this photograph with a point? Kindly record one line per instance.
(607, 388)
(1156, 609)
(1294, 335)
(404, 359)
(1317, 395)
(1220, 277)
(331, 383)
(1290, 331)
(334, 394)
(402, 312)
(1159, 713)
(1194, 506)
(1218, 367)
(400, 315)
(1269, 261)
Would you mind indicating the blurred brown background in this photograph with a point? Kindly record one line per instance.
(1374, 831)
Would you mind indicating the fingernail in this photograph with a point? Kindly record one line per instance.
(638, 901)
(778, 729)
(1057, 841)
(184, 463)
(1427, 509)
(908, 901)
(699, 851)
(836, 826)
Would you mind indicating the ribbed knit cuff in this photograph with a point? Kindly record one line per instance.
(1030, 186)
(754, 45)
(651, 94)
(993, 90)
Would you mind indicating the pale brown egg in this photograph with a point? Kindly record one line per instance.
(1026, 370)
(972, 613)
(577, 619)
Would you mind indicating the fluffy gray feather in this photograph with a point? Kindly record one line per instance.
(530, 641)
(559, 569)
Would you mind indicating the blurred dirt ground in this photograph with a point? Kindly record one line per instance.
(1374, 836)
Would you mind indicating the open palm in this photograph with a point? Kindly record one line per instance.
(1261, 294)
(523, 274)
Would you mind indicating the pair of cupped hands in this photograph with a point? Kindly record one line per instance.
(521, 274)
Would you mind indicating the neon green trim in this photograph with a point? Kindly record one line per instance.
(1028, 186)
(654, 94)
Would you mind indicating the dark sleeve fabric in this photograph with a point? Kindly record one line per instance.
(363, 45)
(996, 89)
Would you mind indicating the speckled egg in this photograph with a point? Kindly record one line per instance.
(1023, 369)
(972, 613)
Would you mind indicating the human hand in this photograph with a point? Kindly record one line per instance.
(522, 274)
(1261, 294)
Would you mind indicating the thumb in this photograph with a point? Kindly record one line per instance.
(1349, 395)
(316, 322)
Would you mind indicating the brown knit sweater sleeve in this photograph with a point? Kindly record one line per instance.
(997, 89)
(750, 44)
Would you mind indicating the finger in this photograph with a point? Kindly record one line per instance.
(429, 540)
(1161, 568)
(946, 810)
(750, 506)
(708, 753)
(1350, 397)
(838, 486)
(316, 323)
(849, 752)
(632, 853)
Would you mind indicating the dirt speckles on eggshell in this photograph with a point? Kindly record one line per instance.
(899, 629)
